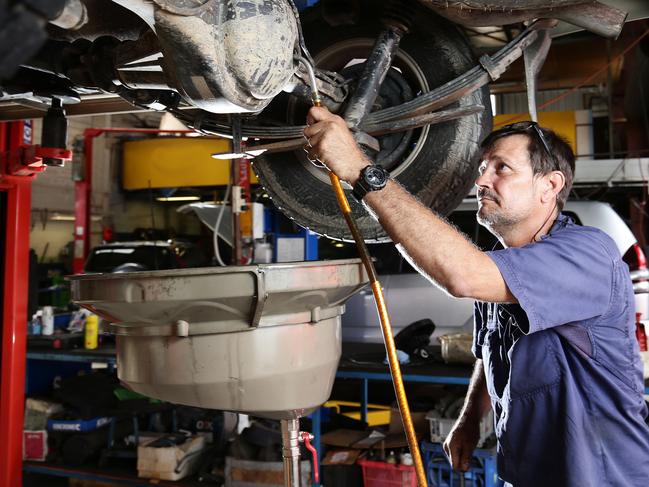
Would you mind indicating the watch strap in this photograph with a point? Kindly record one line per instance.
(360, 189)
(362, 186)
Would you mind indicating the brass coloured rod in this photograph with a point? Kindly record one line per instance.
(386, 329)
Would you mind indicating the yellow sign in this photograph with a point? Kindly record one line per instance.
(175, 162)
(563, 123)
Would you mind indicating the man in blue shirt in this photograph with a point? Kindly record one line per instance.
(557, 358)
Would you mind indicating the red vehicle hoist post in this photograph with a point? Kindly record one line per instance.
(83, 189)
(20, 161)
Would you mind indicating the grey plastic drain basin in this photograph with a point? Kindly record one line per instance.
(263, 340)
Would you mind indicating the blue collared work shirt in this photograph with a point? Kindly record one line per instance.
(562, 367)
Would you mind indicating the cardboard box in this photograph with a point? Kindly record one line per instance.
(341, 457)
(441, 427)
(90, 483)
(418, 420)
(345, 438)
(250, 473)
(169, 463)
(38, 411)
(396, 437)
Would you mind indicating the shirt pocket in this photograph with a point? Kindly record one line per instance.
(492, 319)
(535, 365)
(487, 327)
(496, 369)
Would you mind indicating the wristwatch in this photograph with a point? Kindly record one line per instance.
(372, 178)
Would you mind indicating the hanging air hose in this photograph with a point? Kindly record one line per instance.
(386, 328)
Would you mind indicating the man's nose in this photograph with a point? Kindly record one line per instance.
(483, 179)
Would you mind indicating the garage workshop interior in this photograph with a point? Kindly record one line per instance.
(191, 297)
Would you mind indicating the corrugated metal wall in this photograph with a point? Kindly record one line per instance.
(53, 192)
(54, 189)
(517, 102)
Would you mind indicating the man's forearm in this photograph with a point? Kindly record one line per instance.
(437, 248)
(477, 402)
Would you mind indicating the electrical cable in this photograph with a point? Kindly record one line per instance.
(554, 208)
(215, 237)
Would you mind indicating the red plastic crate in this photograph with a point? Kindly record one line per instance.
(381, 474)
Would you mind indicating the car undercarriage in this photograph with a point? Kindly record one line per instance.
(401, 72)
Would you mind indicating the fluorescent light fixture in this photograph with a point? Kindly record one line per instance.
(338, 244)
(236, 155)
(62, 218)
(493, 104)
(178, 198)
(114, 251)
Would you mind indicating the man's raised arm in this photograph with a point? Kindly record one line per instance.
(435, 247)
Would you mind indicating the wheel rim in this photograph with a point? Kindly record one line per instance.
(345, 55)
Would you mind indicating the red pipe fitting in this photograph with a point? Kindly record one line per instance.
(306, 437)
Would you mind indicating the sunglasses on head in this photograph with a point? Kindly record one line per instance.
(527, 127)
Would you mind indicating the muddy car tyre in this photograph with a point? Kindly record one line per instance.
(437, 163)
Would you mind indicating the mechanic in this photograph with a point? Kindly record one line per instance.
(554, 335)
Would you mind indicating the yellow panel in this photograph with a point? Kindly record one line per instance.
(377, 414)
(246, 223)
(374, 418)
(175, 162)
(563, 123)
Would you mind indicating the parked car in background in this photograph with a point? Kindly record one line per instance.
(144, 256)
(411, 297)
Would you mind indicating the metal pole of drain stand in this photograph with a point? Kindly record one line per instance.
(386, 328)
(291, 451)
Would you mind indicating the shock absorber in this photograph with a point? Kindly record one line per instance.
(397, 19)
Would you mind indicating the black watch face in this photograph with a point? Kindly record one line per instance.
(374, 176)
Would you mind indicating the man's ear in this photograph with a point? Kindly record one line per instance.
(555, 181)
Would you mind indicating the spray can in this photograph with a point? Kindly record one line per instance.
(37, 324)
(91, 331)
(34, 326)
(48, 320)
